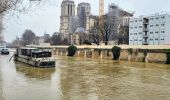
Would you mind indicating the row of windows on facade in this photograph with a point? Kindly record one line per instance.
(140, 33)
(151, 18)
(156, 39)
(157, 25)
(149, 26)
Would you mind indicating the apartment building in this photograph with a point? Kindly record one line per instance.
(150, 30)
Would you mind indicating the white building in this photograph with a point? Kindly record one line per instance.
(150, 30)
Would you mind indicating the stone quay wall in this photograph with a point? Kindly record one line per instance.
(137, 56)
(155, 54)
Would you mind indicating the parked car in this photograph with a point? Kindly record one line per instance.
(5, 51)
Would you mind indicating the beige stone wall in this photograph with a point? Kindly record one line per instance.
(124, 55)
(140, 57)
(96, 54)
(107, 54)
(157, 57)
(80, 53)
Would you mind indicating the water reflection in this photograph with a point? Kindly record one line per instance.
(32, 72)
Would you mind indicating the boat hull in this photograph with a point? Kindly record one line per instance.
(40, 64)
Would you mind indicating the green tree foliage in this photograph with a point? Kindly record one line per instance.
(116, 52)
(72, 50)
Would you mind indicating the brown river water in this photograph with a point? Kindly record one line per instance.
(84, 79)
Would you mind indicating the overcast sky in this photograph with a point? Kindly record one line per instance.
(46, 17)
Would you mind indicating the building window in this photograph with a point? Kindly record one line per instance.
(156, 32)
(156, 38)
(136, 20)
(162, 24)
(163, 17)
(157, 25)
(162, 31)
(136, 33)
(131, 33)
(131, 21)
(140, 20)
(140, 26)
(157, 17)
(151, 18)
(135, 27)
(151, 39)
(131, 27)
(151, 25)
(140, 32)
(151, 32)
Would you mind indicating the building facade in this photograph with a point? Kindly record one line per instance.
(73, 24)
(150, 30)
(119, 20)
(67, 11)
(83, 13)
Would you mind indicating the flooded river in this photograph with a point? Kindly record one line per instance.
(84, 79)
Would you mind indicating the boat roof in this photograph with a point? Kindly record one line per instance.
(28, 48)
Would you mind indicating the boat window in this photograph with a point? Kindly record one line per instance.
(41, 54)
(26, 52)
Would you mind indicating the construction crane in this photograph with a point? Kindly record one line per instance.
(101, 11)
(101, 19)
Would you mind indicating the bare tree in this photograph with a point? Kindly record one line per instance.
(95, 35)
(57, 40)
(106, 30)
(103, 32)
(123, 36)
(17, 5)
(28, 37)
(6, 5)
(1, 29)
(46, 38)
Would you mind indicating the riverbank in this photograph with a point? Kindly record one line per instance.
(137, 53)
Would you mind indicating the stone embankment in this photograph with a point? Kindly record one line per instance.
(143, 53)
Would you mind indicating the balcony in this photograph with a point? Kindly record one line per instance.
(145, 35)
(145, 42)
(145, 22)
(145, 29)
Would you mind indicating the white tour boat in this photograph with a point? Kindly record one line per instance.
(35, 57)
